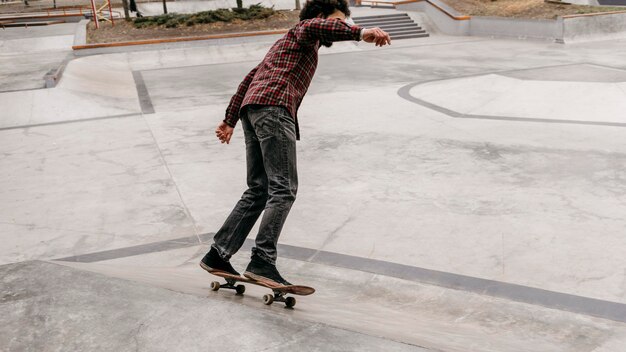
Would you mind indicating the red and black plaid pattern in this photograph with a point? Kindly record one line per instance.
(284, 75)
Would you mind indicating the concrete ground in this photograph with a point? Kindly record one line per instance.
(456, 194)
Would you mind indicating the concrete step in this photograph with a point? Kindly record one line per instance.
(409, 36)
(381, 17)
(399, 26)
(396, 34)
(378, 23)
(399, 15)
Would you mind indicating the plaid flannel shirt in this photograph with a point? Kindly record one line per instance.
(284, 75)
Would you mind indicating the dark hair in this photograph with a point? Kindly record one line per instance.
(313, 8)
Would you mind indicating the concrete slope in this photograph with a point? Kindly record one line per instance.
(27, 54)
(48, 307)
(433, 317)
(88, 89)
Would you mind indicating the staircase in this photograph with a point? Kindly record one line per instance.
(399, 26)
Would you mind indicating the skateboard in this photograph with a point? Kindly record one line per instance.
(279, 292)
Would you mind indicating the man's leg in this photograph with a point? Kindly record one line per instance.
(277, 136)
(231, 236)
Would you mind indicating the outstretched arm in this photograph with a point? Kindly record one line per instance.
(334, 30)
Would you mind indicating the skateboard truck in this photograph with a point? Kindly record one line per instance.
(279, 297)
(230, 284)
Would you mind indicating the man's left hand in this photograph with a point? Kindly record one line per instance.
(224, 132)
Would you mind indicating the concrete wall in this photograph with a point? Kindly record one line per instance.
(517, 28)
(560, 30)
(482, 26)
(594, 27)
(80, 36)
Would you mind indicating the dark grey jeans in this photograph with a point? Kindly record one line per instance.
(270, 135)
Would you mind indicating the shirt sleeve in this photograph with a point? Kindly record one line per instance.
(308, 32)
(232, 111)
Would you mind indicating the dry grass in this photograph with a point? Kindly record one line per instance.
(125, 31)
(537, 9)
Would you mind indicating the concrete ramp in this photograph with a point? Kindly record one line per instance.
(35, 45)
(49, 307)
(89, 88)
(428, 316)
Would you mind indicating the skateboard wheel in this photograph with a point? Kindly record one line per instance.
(215, 285)
(240, 289)
(268, 299)
(290, 302)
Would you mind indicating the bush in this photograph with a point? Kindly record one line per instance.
(220, 15)
(224, 15)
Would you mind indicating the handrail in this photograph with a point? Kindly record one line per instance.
(453, 16)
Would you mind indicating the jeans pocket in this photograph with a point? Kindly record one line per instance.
(265, 121)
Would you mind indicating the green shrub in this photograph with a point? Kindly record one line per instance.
(220, 15)
(224, 15)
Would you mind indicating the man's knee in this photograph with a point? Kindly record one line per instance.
(286, 195)
(256, 194)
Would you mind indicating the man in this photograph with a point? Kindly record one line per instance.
(267, 102)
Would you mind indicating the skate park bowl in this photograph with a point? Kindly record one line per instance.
(455, 194)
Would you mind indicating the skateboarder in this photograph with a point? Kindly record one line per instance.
(267, 102)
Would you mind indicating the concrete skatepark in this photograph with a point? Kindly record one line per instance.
(456, 194)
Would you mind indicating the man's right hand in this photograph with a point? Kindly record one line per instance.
(376, 35)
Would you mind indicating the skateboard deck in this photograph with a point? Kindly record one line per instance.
(279, 292)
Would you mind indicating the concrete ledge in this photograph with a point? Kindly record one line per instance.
(593, 26)
(514, 28)
(80, 35)
(35, 17)
(596, 26)
(54, 76)
(94, 88)
(177, 40)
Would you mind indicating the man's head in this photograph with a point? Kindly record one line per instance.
(325, 9)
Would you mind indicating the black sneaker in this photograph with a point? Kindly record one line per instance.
(212, 262)
(264, 272)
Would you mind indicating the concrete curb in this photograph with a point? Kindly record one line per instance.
(80, 36)
(177, 40)
(53, 76)
(593, 26)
